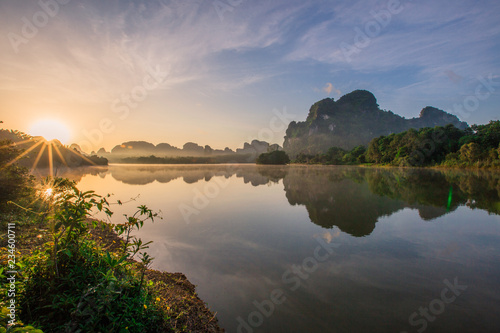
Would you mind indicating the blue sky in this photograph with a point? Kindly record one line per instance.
(224, 69)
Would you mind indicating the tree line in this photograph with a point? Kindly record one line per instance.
(475, 146)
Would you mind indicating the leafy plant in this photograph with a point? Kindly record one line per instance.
(74, 285)
(132, 245)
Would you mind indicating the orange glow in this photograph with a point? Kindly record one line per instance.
(51, 130)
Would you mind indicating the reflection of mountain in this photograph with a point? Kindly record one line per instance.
(75, 174)
(445, 190)
(331, 199)
(355, 198)
(144, 174)
(350, 198)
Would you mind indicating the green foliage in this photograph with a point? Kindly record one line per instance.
(335, 156)
(14, 180)
(72, 284)
(470, 152)
(440, 145)
(18, 327)
(273, 157)
(478, 146)
(355, 156)
(132, 245)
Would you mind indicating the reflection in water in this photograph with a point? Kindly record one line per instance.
(75, 174)
(328, 192)
(146, 174)
(247, 237)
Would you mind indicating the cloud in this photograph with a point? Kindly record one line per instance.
(106, 48)
(448, 34)
(328, 88)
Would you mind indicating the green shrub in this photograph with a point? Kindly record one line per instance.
(274, 157)
(72, 284)
(14, 179)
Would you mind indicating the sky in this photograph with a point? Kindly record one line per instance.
(224, 72)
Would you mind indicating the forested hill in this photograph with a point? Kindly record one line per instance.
(36, 152)
(355, 119)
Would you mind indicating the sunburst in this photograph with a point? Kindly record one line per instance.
(43, 145)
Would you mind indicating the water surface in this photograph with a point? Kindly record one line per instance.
(323, 249)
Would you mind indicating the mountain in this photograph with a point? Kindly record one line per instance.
(145, 149)
(36, 152)
(355, 119)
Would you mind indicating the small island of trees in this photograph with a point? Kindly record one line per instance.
(277, 157)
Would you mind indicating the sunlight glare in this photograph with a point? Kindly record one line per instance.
(48, 192)
(50, 130)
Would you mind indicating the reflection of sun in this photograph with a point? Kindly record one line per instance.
(51, 130)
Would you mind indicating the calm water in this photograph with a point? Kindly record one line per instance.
(323, 249)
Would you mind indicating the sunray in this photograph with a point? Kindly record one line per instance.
(51, 162)
(82, 156)
(24, 153)
(50, 146)
(38, 157)
(60, 155)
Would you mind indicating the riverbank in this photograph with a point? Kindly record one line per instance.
(185, 311)
(171, 297)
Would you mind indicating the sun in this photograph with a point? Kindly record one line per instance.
(51, 129)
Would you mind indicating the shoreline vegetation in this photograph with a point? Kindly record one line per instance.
(438, 147)
(69, 272)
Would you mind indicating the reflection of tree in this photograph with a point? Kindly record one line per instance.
(273, 172)
(444, 189)
(480, 188)
(351, 198)
(355, 198)
(414, 186)
(332, 199)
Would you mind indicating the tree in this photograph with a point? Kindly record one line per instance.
(373, 153)
(470, 152)
(14, 179)
(274, 157)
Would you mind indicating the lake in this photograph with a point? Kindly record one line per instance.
(322, 248)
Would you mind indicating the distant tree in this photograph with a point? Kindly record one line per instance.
(274, 157)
